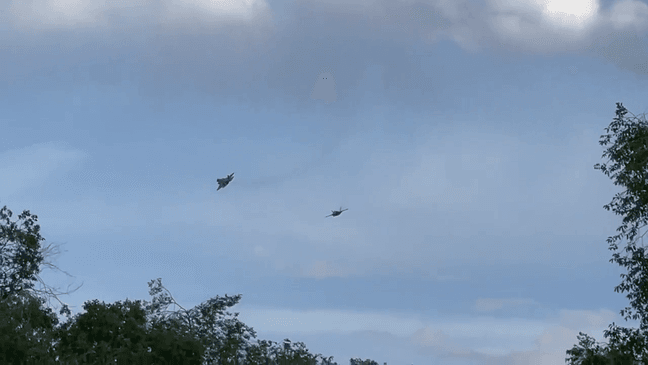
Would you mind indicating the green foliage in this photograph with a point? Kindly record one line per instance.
(26, 326)
(629, 154)
(359, 361)
(226, 339)
(20, 257)
(289, 354)
(26, 330)
(106, 333)
(258, 353)
(223, 338)
(588, 352)
(168, 342)
(626, 345)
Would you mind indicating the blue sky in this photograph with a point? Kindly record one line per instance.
(461, 135)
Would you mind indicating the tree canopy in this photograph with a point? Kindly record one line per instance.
(20, 257)
(106, 333)
(629, 168)
(26, 330)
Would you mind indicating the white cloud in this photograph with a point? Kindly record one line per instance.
(578, 319)
(46, 14)
(27, 167)
(542, 25)
(571, 14)
(293, 321)
(550, 346)
(629, 14)
(512, 341)
(538, 26)
(219, 10)
(491, 340)
(68, 12)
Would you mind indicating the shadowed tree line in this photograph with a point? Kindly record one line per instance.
(629, 168)
(124, 332)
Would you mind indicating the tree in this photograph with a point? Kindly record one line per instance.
(26, 330)
(19, 252)
(298, 355)
(259, 353)
(359, 361)
(629, 154)
(226, 339)
(22, 255)
(109, 333)
(589, 352)
(27, 326)
(47, 291)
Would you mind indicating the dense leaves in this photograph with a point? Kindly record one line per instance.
(106, 333)
(26, 330)
(20, 255)
(223, 338)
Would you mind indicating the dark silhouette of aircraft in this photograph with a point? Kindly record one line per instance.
(224, 181)
(335, 213)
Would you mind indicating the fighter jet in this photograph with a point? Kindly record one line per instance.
(224, 181)
(335, 213)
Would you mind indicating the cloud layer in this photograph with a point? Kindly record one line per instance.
(193, 42)
(486, 340)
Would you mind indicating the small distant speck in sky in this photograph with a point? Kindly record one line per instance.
(324, 88)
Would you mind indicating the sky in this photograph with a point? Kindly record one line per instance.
(460, 135)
